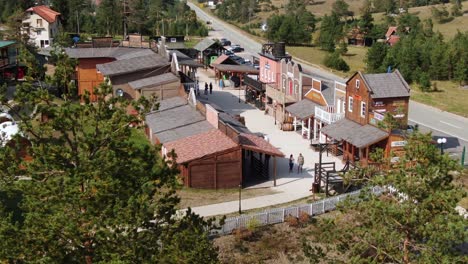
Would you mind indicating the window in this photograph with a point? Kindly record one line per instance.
(350, 104)
(173, 40)
(39, 22)
(363, 109)
(39, 32)
(358, 82)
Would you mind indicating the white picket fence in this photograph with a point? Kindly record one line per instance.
(279, 215)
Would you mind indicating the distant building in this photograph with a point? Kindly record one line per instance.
(41, 25)
(7, 59)
(391, 37)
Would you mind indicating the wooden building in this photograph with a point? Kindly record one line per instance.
(7, 59)
(208, 51)
(369, 98)
(211, 146)
(88, 77)
(141, 71)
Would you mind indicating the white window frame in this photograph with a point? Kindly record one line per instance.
(363, 109)
(358, 83)
(173, 40)
(350, 104)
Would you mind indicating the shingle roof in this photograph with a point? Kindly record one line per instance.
(232, 122)
(119, 53)
(171, 103)
(204, 44)
(132, 65)
(201, 145)
(185, 131)
(387, 85)
(390, 31)
(173, 118)
(45, 12)
(354, 133)
(155, 80)
(258, 144)
(302, 109)
(4, 43)
(328, 91)
(221, 59)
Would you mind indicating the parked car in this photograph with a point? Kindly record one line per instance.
(225, 42)
(229, 53)
(236, 48)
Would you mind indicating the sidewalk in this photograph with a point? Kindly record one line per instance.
(291, 186)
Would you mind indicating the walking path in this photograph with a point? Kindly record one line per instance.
(290, 186)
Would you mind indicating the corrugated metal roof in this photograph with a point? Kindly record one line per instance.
(173, 118)
(118, 53)
(132, 65)
(185, 131)
(387, 85)
(155, 80)
(4, 43)
(204, 44)
(358, 135)
(302, 109)
(201, 145)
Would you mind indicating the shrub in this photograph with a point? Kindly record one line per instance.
(292, 221)
(304, 218)
(334, 61)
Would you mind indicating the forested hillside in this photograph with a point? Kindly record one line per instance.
(148, 17)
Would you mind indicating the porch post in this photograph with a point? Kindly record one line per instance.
(308, 124)
(295, 124)
(302, 127)
(274, 171)
(315, 129)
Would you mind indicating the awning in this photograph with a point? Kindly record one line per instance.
(358, 135)
(302, 109)
(235, 68)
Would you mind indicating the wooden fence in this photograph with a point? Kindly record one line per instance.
(279, 215)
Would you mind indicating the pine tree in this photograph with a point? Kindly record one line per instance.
(89, 193)
(416, 224)
(375, 57)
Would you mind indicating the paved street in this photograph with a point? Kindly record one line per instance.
(438, 121)
(290, 186)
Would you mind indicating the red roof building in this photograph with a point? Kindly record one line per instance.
(45, 12)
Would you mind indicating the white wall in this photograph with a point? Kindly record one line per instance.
(47, 32)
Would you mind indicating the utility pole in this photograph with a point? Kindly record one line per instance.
(124, 19)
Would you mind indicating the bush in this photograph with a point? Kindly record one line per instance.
(304, 218)
(292, 221)
(334, 61)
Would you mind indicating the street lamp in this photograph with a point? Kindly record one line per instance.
(441, 142)
(239, 94)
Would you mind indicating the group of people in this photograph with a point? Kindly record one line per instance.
(208, 87)
(300, 163)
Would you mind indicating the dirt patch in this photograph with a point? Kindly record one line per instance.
(196, 197)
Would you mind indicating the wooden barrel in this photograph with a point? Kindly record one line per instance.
(287, 127)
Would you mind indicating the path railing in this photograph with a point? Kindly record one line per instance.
(279, 215)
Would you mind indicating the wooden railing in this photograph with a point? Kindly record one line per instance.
(328, 114)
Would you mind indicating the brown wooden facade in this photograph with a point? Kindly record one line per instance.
(87, 75)
(220, 170)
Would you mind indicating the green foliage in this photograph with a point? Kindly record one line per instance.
(64, 72)
(375, 57)
(295, 27)
(341, 8)
(424, 82)
(331, 30)
(334, 61)
(416, 224)
(89, 192)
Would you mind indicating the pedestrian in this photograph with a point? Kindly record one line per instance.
(206, 88)
(211, 88)
(300, 162)
(291, 163)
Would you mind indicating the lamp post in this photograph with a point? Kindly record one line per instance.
(239, 94)
(441, 142)
(240, 196)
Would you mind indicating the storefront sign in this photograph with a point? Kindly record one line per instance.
(379, 104)
(398, 144)
(290, 75)
(399, 103)
(378, 116)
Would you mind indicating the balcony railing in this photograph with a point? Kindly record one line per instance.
(328, 114)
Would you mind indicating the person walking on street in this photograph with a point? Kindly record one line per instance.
(291, 163)
(211, 88)
(300, 162)
(206, 88)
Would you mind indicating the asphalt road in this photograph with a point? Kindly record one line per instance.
(441, 123)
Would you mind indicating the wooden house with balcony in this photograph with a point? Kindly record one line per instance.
(255, 91)
(369, 98)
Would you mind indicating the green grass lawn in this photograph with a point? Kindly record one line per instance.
(450, 97)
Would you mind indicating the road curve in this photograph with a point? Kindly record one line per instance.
(430, 117)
